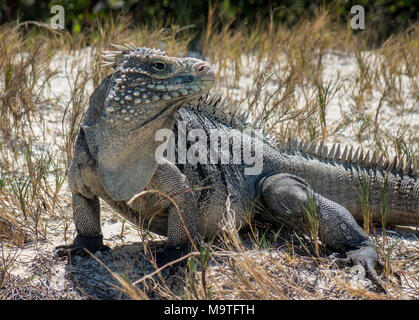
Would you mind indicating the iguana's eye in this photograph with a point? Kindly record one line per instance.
(158, 65)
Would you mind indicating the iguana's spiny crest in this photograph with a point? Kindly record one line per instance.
(146, 82)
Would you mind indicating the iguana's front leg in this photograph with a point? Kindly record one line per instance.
(86, 215)
(86, 206)
(183, 219)
(290, 199)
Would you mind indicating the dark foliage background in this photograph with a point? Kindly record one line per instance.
(385, 17)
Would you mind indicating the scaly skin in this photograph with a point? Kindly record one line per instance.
(114, 159)
(393, 191)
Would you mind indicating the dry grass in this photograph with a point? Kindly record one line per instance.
(280, 74)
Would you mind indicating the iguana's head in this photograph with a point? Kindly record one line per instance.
(146, 83)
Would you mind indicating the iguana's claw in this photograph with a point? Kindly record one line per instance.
(79, 245)
(170, 255)
(367, 258)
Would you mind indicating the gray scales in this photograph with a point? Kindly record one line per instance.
(114, 159)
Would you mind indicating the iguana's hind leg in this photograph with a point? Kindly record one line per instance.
(290, 199)
(86, 215)
(183, 221)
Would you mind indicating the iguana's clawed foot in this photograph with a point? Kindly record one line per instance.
(92, 244)
(367, 258)
(171, 255)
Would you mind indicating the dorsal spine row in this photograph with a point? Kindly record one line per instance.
(217, 108)
(348, 155)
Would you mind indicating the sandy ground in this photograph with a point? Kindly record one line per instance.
(37, 273)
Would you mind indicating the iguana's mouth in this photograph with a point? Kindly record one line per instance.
(140, 92)
(174, 84)
(168, 108)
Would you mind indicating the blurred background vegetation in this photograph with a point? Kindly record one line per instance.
(383, 17)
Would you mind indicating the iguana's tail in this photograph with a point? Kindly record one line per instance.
(367, 185)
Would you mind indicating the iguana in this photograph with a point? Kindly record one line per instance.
(147, 92)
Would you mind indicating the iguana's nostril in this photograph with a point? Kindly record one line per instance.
(203, 68)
